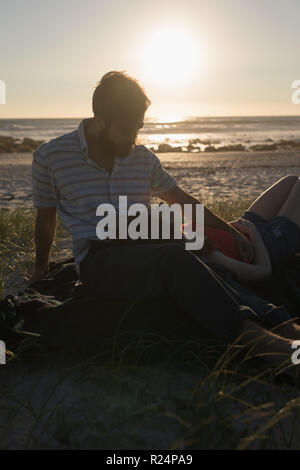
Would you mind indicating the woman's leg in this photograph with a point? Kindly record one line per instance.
(269, 203)
(291, 207)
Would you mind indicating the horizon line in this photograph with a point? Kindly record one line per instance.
(157, 117)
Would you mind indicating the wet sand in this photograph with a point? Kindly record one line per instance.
(208, 175)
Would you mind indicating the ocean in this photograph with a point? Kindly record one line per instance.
(214, 172)
(192, 134)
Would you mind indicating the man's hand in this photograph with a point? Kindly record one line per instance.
(246, 226)
(38, 274)
(247, 253)
(245, 247)
(235, 223)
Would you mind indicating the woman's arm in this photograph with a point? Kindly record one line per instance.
(261, 268)
(244, 271)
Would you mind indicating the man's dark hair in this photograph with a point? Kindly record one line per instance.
(119, 96)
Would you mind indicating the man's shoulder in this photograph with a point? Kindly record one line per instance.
(64, 143)
(141, 151)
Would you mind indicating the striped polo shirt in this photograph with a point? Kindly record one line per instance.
(63, 176)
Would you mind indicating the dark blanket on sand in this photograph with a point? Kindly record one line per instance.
(63, 315)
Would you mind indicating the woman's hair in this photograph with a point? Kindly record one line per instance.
(207, 249)
(118, 95)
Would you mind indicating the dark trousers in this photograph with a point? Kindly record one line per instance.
(134, 271)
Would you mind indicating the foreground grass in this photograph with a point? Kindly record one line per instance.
(17, 246)
(154, 394)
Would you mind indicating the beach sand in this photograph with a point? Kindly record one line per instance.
(230, 175)
(206, 175)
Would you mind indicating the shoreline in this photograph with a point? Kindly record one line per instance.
(9, 144)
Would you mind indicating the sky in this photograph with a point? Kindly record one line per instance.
(194, 58)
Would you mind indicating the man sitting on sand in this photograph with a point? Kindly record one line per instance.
(97, 163)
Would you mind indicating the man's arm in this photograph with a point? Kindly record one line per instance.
(178, 195)
(44, 233)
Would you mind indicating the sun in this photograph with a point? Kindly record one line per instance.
(170, 57)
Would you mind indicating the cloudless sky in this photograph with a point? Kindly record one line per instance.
(52, 53)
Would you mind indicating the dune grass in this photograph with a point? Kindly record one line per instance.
(17, 246)
(155, 394)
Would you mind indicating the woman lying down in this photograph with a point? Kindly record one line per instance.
(272, 223)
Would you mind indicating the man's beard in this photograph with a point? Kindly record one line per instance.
(109, 148)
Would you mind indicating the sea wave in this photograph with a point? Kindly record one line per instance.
(9, 144)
